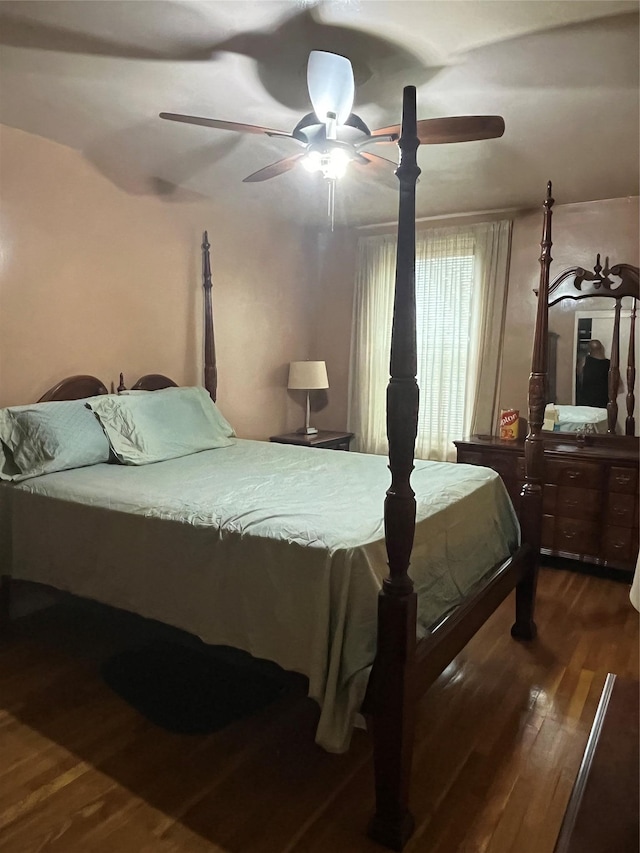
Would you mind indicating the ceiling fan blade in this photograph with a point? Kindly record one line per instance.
(377, 161)
(379, 137)
(435, 131)
(378, 168)
(224, 125)
(331, 86)
(273, 170)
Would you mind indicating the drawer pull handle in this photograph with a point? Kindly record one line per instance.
(572, 475)
(570, 502)
(623, 479)
(619, 510)
(618, 545)
(569, 534)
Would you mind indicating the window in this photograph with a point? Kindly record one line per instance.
(444, 289)
(461, 277)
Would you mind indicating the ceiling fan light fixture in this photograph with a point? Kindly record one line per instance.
(337, 164)
(312, 161)
(330, 84)
(332, 162)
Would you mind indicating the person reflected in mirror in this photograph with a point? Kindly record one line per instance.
(592, 386)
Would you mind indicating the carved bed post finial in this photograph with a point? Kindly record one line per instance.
(391, 687)
(531, 498)
(210, 368)
(630, 423)
(597, 268)
(121, 386)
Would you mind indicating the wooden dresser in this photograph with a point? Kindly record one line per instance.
(590, 497)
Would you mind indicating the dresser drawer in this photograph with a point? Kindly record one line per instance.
(583, 475)
(338, 444)
(623, 480)
(575, 536)
(621, 510)
(513, 490)
(468, 457)
(569, 502)
(619, 545)
(548, 528)
(503, 464)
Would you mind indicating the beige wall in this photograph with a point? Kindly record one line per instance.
(97, 280)
(331, 332)
(580, 231)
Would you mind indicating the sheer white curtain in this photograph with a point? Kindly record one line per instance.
(461, 275)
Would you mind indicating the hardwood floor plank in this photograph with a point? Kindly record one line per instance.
(499, 739)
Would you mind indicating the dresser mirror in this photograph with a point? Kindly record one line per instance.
(593, 341)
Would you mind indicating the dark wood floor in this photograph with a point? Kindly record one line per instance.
(499, 742)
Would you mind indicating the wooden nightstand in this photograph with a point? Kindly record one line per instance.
(324, 438)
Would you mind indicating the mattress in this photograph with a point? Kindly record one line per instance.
(275, 549)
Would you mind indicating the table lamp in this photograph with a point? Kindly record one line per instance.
(307, 376)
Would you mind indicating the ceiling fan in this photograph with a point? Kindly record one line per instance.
(333, 137)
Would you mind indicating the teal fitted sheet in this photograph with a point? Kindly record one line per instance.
(274, 549)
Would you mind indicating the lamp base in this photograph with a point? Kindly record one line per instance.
(307, 430)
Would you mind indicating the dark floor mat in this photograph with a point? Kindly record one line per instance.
(188, 691)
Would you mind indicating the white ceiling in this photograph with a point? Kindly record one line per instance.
(564, 74)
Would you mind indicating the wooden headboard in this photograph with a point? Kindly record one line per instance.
(75, 388)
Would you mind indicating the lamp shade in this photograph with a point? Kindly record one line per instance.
(308, 375)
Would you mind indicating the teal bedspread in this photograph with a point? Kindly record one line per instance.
(274, 549)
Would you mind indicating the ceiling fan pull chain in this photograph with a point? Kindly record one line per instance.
(332, 201)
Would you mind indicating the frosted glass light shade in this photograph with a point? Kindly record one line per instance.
(308, 375)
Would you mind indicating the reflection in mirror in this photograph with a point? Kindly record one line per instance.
(580, 343)
(593, 339)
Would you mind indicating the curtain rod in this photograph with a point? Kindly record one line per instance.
(495, 213)
(492, 213)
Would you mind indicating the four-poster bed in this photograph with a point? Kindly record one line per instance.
(404, 664)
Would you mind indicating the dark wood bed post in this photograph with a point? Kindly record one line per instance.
(210, 368)
(524, 628)
(614, 369)
(5, 604)
(630, 422)
(393, 695)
